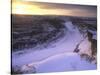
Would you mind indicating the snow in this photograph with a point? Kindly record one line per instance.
(58, 56)
(63, 62)
(69, 26)
(85, 47)
(59, 63)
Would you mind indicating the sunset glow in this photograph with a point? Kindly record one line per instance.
(40, 8)
(27, 8)
(22, 8)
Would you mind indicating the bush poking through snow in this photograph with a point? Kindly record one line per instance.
(23, 70)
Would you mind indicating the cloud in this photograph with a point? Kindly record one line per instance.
(81, 9)
(63, 9)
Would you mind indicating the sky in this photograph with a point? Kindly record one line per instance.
(40, 8)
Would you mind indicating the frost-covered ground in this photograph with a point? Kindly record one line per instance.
(58, 56)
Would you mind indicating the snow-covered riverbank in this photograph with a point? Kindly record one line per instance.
(57, 57)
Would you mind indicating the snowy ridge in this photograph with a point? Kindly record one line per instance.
(68, 62)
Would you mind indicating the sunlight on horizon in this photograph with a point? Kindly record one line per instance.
(26, 8)
(38, 8)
